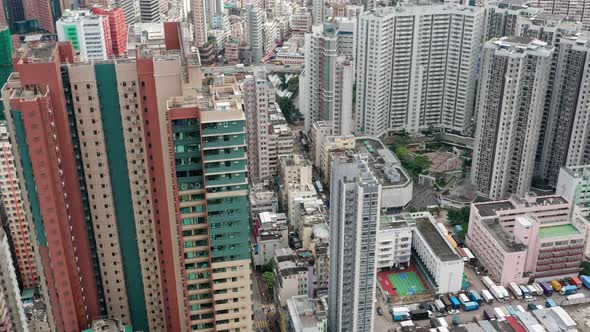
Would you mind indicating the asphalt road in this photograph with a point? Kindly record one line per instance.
(249, 69)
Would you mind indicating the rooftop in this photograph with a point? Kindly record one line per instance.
(384, 164)
(558, 231)
(388, 222)
(530, 202)
(36, 52)
(502, 236)
(435, 240)
(489, 209)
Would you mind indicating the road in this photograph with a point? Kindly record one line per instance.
(249, 69)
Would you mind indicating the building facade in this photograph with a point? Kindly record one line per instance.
(328, 79)
(394, 242)
(12, 314)
(577, 9)
(254, 31)
(38, 122)
(413, 83)
(565, 88)
(355, 209)
(117, 28)
(506, 139)
(259, 98)
(12, 202)
(89, 34)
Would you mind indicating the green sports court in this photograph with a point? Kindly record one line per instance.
(401, 283)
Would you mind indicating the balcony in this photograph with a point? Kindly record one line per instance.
(221, 156)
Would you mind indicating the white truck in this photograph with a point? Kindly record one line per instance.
(487, 296)
(515, 290)
(487, 281)
(504, 292)
(497, 292)
(240, 66)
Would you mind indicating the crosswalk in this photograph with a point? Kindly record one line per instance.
(261, 324)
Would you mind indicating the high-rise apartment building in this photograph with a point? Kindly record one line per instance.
(4, 15)
(578, 48)
(355, 199)
(12, 314)
(501, 17)
(108, 127)
(18, 226)
(198, 11)
(576, 9)
(566, 91)
(117, 26)
(89, 34)
(259, 100)
(416, 68)
(41, 133)
(47, 12)
(327, 89)
(254, 30)
(5, 58)
(13, 11)
(131, 11)
(207, 138)
(514, 69)
(150, 11)
(318, 12)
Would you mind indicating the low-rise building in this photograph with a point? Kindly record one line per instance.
(505, 211)
(280, 143)
(301, 21)
(307, 314)
(294, 169)
(321, 252)
(297, 194)
(232, 50)
(270, 233)
(290, 53)
(496, 250)
(294, 274)
(307, 211)
(436, 254)
(574, 185)
(394, 242)
(553, 248)
(312, 223)
(262, 199)
(519, 240)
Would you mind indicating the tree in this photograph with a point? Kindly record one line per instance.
(585, 268)
(268, 267)
(288, 109)
(458, 216)
(293, 84)
(269, 280)
(418, 165)
(283, 77)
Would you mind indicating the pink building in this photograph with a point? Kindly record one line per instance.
(554, 249)
(518, 239)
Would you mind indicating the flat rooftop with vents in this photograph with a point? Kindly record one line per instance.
(500, 234)
(437, 243)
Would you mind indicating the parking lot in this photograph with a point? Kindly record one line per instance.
(385, 322)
